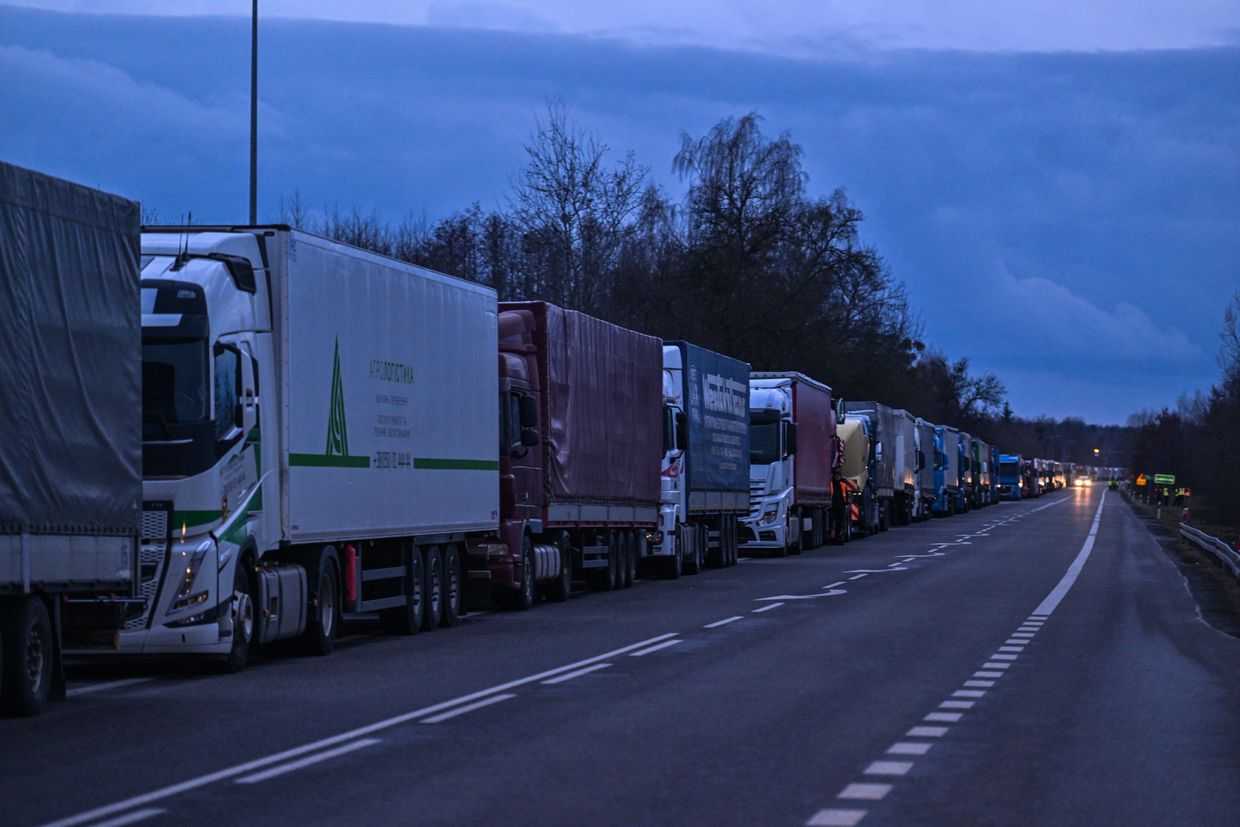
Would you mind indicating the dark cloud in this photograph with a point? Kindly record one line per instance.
(1071, 221)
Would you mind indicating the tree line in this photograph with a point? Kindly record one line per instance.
(745, 262)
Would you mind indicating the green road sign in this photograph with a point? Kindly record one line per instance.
(1164, 479)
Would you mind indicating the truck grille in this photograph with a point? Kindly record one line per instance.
(151, 559)
(755, 494)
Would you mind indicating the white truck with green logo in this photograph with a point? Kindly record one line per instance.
(319, 440)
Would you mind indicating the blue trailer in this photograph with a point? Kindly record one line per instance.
(1011, 468)
(705, 473)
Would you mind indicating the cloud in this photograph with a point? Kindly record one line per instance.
(1027, 200)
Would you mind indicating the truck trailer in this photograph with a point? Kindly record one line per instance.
(878, 421)
(792, 433)
(70, 441)
(586, 503)
(705, 471)
(947, 475)
(927, 461)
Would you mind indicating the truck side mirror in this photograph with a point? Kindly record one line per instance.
(921, 460)
(529, 412)
(840, 413)
(247, 405)
(878, 451)
(790, 438)
(529, 437)
(682, 431)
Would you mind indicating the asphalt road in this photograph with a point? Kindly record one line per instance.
(1030, 663)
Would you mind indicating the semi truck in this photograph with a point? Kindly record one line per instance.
(859, 473)
(792, 431)
(982, 484)
(927, 461)
(705, 472)
(947, 475)
(1011, 476)
(907, 499)
(884, 468)
(318, 428)
(70, 441)
(586, 504)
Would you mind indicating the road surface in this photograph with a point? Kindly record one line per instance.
(1037, 662)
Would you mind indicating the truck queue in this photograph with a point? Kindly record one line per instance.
(316, 430)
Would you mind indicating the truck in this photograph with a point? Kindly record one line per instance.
(884, 472)
(585, 505)
(792, 432)
(980, 481)
(927, 459)
(907, 489)
(705, 470)
(318, 441)
(860, 473)
(947, 473)
(1011, 476)
(70, 442)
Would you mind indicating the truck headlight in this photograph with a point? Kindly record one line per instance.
(193, 562)
(769, 516)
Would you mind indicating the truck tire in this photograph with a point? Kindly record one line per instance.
(324, 619)
(28, 651)
(559, 590)
(734, 539)
(453, 586)
(523, 598)
(692, 560)
(432, 564)
(242, 609)
(407, 619)
(672, 567)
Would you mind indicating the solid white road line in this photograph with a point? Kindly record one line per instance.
(1057, 594)
(889, 768)
(568, 677)
(651, 649)
(767, 608)
(724, 622)
(927, 732)
(309, 760)
(242, 769)
(909, 748)
(461, 710)
(100, 687)
(836, 818)
(131, 818)
(865, 792)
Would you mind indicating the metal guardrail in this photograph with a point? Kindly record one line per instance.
(1226, 555)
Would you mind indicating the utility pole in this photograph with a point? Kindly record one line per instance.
(254, 114)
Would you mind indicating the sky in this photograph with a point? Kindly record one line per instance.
(1057, 183)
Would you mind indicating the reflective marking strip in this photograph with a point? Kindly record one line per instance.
(562, 678)
(306, 762)
(461, 710)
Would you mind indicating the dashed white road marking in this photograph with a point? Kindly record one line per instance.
(461, 710)
(944, 717)
(657, 647)
(898, 768)
(992, 665)
(983, 684)
(836, 584)
(957, 704)
(909, 748)
(1017, 649)
(865, 792)
(987, 674)
(723, 622)
(767, 608)
(1003, 657)
(969, 693)
(859, 576)
(309, 760)
(927, 732)
(836, 818)
(100, 687)
(131, 818)
(1023, 635)
(569, 676)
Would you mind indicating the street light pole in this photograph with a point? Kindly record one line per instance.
(254, 114)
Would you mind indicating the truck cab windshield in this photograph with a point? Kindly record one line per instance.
(174, 385)
(1009, 469)
(764, 438)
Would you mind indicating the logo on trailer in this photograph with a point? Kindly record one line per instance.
(337, 431)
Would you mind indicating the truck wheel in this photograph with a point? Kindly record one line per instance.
(559, 590)
(692, 556)
(325, 618)
(433, 566)
(672, 567)
(733, 541)
(27, 656)
(242, 609)
(407, 619)
(523, 597)
(453, 590)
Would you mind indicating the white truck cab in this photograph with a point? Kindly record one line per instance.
(772, 449)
